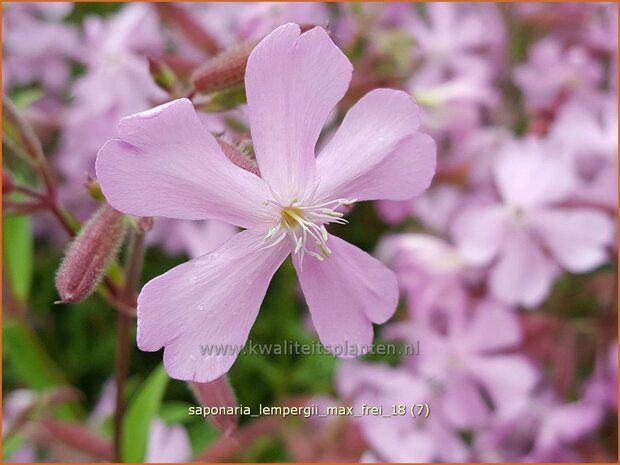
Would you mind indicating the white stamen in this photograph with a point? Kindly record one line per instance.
(300, 219)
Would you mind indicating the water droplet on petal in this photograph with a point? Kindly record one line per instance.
(193, 279)
(249, 281)
(200, 307)
(192, 357)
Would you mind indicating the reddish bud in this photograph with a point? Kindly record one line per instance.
(218, 393)
(145, 224)
(225, 71)
(7, 182)
(89, 255)
(193, 31)
(241, 154)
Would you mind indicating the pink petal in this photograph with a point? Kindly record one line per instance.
(292, 83)
(492, 328)
(207, 303)
(167, 443)
(527, 175)
(346, 293)
(568, 423)
(167, 164)
(478, 233)
(377, 152)
(463, 405)
(524, 274)
(575, 237)
(508, 379)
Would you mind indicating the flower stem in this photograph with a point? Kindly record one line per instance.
(123, 347)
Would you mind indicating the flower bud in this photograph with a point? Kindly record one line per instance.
(90, 254)
(163, 75)
(225, 71)
(193, 31)
(217, 393)
(94, 189)
(7, 182)
(145, 224)
(241, 155)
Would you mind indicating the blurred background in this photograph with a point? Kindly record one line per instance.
(507, 264)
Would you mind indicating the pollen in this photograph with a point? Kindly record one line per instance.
(291, 217)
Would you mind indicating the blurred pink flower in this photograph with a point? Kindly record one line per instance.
(468, 356)
(589, 128)
(543, 431)
(458, 36)
(524, 235)
(156, 168)
(167, 443)
(398, 438)
(429, 270)
(553, 72)
(434, 208)
(37, 46)
(15, 405)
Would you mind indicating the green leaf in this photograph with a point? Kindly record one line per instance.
(10, 445)
(17, 252)
(23, 98)
(142, 410)
(175, 412)
(28, 360)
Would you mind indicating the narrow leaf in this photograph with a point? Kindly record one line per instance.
(143, 408)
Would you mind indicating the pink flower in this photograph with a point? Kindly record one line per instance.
(553, 72)
(167, 443)
(167, 164)
(468, 356)
(429, 270)
(38, 47)
(399, 438)
(529, 230)
(459, 36)
(544, 431)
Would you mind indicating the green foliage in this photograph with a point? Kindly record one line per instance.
(17, 253)
(141, 411)
(225, 100)
(29, 362)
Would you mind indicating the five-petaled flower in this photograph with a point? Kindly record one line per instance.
(166, 163)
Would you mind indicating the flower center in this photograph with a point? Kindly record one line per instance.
(302, 221)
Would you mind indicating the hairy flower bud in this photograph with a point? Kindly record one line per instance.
(217, 393)
(89, 255)
(225, 71)
(241, 155)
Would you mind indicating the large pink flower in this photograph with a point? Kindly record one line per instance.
(167, 164)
